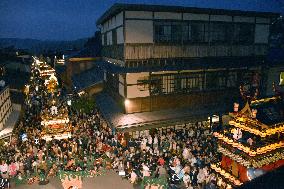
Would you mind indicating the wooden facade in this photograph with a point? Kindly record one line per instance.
(145, 51)
(113, 52)
(161, 102)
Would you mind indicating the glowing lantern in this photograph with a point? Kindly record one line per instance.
(253, 113)
(236, 107)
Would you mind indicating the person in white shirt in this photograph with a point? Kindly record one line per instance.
(121, 170)
(156, 152)
(4, 169)
(185, 153)
(133, 177)
(145, 170)
(193, 161)
(190, 133)
(150, 140)
(187, 181)
(155, 143)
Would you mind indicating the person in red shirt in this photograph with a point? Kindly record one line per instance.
(161, 161)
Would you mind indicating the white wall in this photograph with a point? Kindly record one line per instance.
(167, 15)
(192, 16)
(133, 90)
(244, 19)
(139, 31)
(109, 38)
(261, 33)
(120, 78)
(262, 20)
(119, 19)
(113, 23)
(138, 14)
(120, 37)
(221, 18)
(131, 78)
(6, 106)
(121, 89)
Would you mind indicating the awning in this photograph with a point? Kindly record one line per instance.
(188, 64)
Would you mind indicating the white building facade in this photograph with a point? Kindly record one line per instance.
(5, 106)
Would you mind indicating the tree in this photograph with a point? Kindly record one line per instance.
(84, 104)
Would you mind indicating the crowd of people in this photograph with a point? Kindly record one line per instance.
(182, 157)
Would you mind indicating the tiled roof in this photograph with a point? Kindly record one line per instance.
(271, 112)
(87, 78)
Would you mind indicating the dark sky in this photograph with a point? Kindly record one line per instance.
(73, 19)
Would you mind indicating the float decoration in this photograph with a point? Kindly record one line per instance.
(252, 140)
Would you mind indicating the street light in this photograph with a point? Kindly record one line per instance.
(126, 102)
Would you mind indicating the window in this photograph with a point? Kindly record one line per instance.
(143, 83)
(114, 37)
(244, 33)
(191, 82)
(220, 32)
(163, 32)
(216, 80)
(232, 79)
(156, 85)
(186, 32)
(176, 83)
(105, 39)
(199, 32)
(170, 32)
(177, 29)
(168, 84)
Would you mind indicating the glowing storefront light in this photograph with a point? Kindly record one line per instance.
(126, 102)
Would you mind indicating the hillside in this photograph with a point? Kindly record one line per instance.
(41, 46)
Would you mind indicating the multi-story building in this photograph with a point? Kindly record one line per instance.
(5, 106)
(162, 57)
(9, 112)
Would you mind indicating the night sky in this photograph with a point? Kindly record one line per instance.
(73, 19)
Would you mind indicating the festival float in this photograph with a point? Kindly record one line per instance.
(252, 142)
(43, 68)
(55, 122)
(54, 116)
